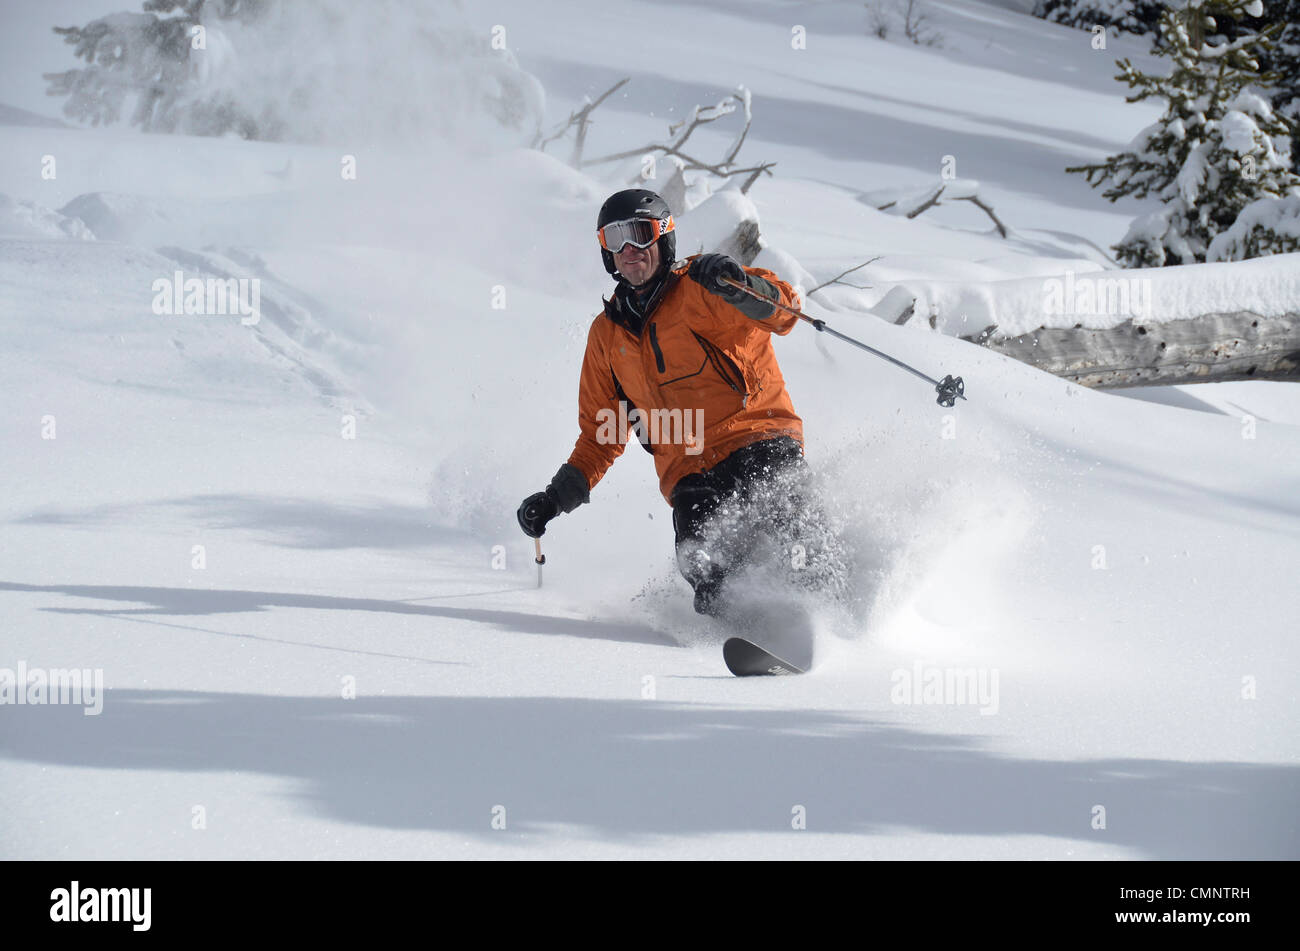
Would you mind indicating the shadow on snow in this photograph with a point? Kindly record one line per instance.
(620, 769)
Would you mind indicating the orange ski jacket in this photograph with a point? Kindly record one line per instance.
(697, 382)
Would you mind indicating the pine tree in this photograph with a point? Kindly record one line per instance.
(1284, 59)
(1266, 226)
(147, 56)
(1120, 16)
(306, 70)
(1218, 147)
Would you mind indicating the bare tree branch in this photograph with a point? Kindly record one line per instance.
(988, 210)
(682, 131)
(764, 169)
(916, 25)
(580, 118)
(934, 198)
(742, 96)
(836, 278)
(928, 203)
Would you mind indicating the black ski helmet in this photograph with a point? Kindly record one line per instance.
(637, 203)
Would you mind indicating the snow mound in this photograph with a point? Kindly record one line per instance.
(27, 219)
(11, 115)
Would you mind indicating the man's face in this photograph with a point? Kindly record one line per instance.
(638, 265)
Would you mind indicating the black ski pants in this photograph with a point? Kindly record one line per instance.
(760, 494)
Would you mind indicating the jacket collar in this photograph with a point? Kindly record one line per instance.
(629, 309)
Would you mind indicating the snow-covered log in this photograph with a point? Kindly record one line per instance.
(1208, 349)
(726, 222)
(744, 243)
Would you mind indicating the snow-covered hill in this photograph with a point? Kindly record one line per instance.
(289, 544)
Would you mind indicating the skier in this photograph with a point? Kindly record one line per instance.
(687, 361)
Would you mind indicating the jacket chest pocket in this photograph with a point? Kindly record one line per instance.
(682, 356)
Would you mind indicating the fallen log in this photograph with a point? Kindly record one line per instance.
(1208, 349)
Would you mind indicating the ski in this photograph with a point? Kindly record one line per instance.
(744, 658)
(767, 637)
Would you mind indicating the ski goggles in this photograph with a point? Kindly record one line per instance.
(638, 232)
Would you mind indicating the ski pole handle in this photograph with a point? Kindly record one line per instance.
(741, 286)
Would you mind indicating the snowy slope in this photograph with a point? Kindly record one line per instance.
(1122, 570)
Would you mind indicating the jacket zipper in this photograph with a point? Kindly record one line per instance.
(659, 354)
(719, 359)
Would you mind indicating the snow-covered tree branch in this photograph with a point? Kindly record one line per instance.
(322, 71)
(1218, 147)
(679, 133)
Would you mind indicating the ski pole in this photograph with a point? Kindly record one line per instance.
(950, 388)
(540, 559)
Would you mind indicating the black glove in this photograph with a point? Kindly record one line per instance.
(566, 492)
(708, 268)
(535, 511)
